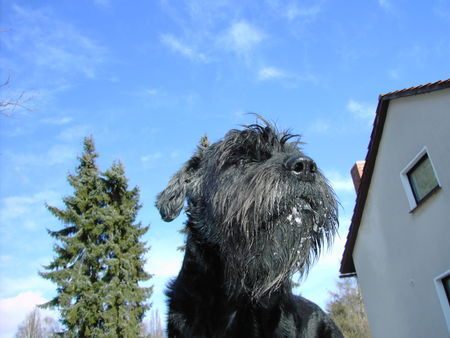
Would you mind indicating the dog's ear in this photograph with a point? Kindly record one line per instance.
(170, 201)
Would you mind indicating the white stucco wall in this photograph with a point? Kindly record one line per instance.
(398, 254)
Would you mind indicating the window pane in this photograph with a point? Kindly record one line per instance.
(446, 283)
(422, 178)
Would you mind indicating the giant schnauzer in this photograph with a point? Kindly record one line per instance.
(258, 210)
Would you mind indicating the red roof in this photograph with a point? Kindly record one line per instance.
(347, 264)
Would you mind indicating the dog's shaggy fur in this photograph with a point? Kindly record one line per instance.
(258, 211)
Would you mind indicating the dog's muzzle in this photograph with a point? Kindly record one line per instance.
(303, 167)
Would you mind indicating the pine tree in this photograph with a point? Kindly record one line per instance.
(99, 263)
(125, 266)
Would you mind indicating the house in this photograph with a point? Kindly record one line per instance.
(398, 244)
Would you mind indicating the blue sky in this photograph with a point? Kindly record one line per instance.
(148, 78)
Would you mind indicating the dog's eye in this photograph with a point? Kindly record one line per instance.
(263, 156)
(240, 162)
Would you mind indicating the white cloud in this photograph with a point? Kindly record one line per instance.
(151, 157)
(16, 206)
(151, 160)
(339, 182)
(163, 266)
(84, 56)
(269, 73)
(31, 283)
(306, 10)
(294, 11)
(56, 154)
(320, 126)
(242, 37)
(191, 98)
(58, 120)
(386, 4)
(6, 260)
(60, 153)
(152, 91)
(75, 133)
(239, 113)
(103, 3)
(361, 111)
(30, 224)
(177, 45)
(273, 73)
(164, 261)
(394, 74)
(56, 51)
(14, 310)
(442, 10)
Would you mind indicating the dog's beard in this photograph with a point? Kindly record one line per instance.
(266, 228)
(260, 264)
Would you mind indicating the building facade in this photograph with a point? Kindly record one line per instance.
(399, 240)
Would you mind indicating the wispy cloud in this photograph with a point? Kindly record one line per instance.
(164, 266)
(339, 182)
(294, 11)
(152, 160)
(151, 157)
(152, 91)
(56, 50)
(242, 37)
(239, 113)
(394, 73)
(362, 111)
(58, 120)
(269, 73)
(7, 260)
(14, 207)
(386, 4)
(320, 126)
(60, 153)
(74, 133)
(103, 3)
(184, 49)
(305, 10)
(55, 154)
(442, 10)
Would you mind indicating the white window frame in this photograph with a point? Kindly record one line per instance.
(445, 302)
(405, 180)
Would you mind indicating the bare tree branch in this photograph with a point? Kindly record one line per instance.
(153, 328)
(346, 308)
(34, 326)
(9, 106)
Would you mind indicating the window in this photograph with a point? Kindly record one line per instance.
(446, 284)
(422, 179)
(442, 284)
(419, 179)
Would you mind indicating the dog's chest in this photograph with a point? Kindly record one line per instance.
(254, 322)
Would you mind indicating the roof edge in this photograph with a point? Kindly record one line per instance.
(422, 89)
(347, 264)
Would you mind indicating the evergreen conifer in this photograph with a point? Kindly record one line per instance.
(99, 256)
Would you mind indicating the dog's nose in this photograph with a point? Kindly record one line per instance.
(302, 166)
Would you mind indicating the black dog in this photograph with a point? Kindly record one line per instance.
(258, 211)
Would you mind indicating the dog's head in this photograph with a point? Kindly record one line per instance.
(260, 201)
